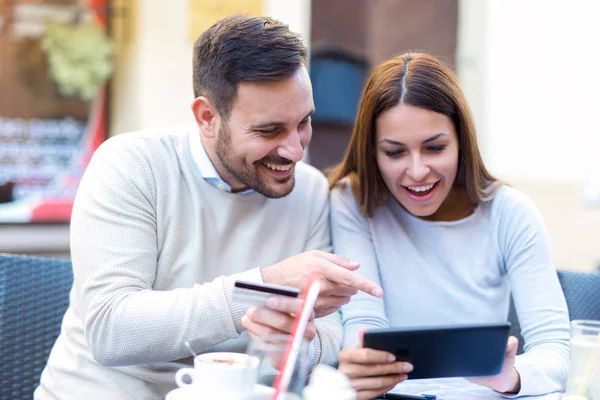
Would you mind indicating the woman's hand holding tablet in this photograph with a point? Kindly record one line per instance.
(508, 380)
(372, 372)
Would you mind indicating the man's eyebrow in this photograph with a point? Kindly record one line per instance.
(310, 114)
(428, 140)
(276, 124)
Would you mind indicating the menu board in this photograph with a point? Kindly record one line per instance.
(46, 138)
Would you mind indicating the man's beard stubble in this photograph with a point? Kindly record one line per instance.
(247, 175)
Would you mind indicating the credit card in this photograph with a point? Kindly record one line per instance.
(256, 294)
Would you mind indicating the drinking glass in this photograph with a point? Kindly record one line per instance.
(584, 376)
(270, 349)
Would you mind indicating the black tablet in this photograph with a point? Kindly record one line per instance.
(445, 351)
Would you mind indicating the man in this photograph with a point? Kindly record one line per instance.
(165, 222)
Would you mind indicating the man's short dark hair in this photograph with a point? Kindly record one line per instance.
(242, 48)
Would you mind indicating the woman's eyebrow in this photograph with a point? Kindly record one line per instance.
(428, 140)
(434, 137)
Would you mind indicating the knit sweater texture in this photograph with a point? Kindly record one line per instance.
(156, 251)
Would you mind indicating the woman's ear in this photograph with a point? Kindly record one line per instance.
(206, 116)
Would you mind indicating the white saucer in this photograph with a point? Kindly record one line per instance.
(186, 393)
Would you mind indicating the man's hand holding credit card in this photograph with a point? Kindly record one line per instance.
(276, 298)
(274, 308)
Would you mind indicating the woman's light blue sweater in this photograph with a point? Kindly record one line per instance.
(459, 272)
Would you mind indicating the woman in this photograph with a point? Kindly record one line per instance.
(413, 202)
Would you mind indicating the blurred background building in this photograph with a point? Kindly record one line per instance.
(528, 68)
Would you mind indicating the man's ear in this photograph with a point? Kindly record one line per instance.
(206, 116)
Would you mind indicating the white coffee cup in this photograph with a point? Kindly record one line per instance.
(229, 375)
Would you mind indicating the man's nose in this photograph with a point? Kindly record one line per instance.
(418, 169)
(292, 147)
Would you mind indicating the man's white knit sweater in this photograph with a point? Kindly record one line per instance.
(156, 250)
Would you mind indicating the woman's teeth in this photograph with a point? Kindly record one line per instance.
(420, 189)
(278, 167)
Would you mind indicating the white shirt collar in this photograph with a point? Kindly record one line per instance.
(204, 166)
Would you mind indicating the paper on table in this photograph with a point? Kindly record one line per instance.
(457, 388)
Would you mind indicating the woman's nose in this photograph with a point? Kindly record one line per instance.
(418, 170)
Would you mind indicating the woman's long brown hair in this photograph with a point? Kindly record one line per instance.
(420, 80)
